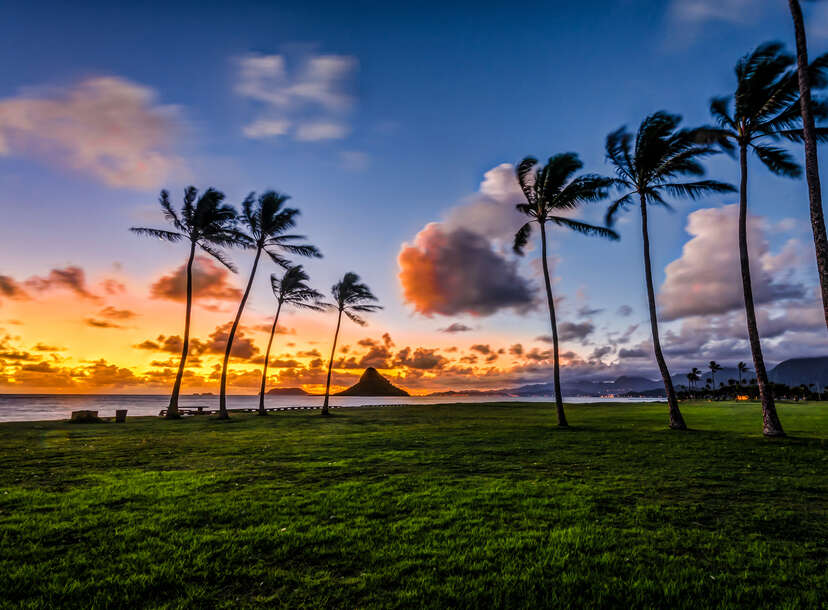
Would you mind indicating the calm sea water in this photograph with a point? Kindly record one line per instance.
(36, 407)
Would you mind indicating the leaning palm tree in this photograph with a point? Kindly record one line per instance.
(266, 222)
(714, 367)
(206, 224)
(766, 108)
(293, 290)
(351, 298)
(650, 165)
(551, 191)
(806, 78)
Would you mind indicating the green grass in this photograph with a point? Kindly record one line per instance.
(444, 506)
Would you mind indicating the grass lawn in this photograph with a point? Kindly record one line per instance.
(439, 506)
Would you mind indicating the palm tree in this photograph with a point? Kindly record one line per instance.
(810, 135)
(742, 368)
(349, 296)
(649, 165)
(693, 376)
(714, 367)
(266, 222)
(206, 224)
(292, 289)
(551, 191)
(766, 108)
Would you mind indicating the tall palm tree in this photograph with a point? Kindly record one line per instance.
(742, 368)
(206, 224)
(293, 290)
(714, 367)
(694, 376)
(810, 135)
(266, 222)
(650, 165)
(551, 191)
(766, 108)
(350, 297)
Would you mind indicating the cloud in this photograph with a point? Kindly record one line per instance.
(491, 211)
(355, 160)
(420, 358)
(706, 279)
(95, 323)
(10, 289)
(108, 127)
(457, 271)
(730, 11)
(210, 281)
(624, 311)
(310, 102)
(117, 314)
(570, 331)
(455, 327)
(586, 311)
(70, 278)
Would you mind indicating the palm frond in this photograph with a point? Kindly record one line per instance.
(778, 160)
(522, 238)
(619, 204)
(524, 173)
(158, 233)
(218, 255)
(694, 190)
(585, 228)
(354, 318)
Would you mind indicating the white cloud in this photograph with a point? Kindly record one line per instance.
(321, 130)
(108, 127)
(310, 102)
(355, 160)
(706, 279)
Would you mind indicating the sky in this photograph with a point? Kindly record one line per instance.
(395, 130)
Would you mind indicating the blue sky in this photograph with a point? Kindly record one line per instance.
(440, 93)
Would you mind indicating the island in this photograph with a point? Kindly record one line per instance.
(373, 384)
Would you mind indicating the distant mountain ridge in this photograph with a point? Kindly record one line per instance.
(792, 372)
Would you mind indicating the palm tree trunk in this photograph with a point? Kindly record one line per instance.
(676, 419)
(771, 425)
(811, 161)
(223, 392)
(172, 409)
(330, 365)
(266, 359)
(556, 366)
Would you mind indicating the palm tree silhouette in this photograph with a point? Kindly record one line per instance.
(806, 78)
(350, 296)
(693, 376)
(742, 368)
(293, 290)
(551, 191)
(714, 367)
(648, 166)
(266, 222)
(206, 224)
(766, 108)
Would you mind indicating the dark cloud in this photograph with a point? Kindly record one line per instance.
(455, 327)
(95, 323)
(70, 278)
(586, 312)
(116, 314)
(11, 289)
(624, 311)
(449, 272)
(569, 331)
(210, 281)
(420, 358)
(483, 349)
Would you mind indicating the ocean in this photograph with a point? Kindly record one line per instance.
(36, 407)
